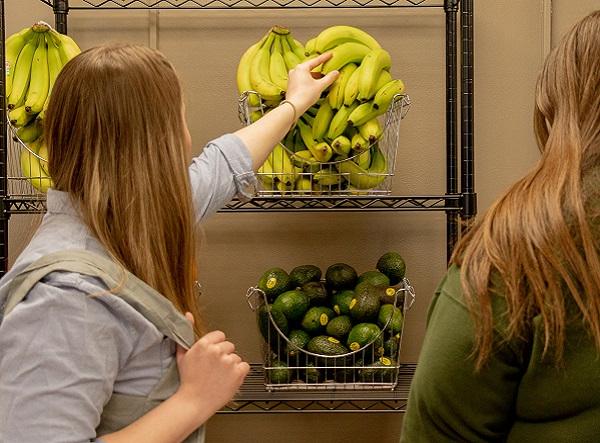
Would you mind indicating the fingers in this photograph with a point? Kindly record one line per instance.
(314, 62)
(328, 79)
(213, 337)
(190, 317)
(226, 347)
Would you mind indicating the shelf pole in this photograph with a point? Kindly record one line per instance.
(3, 152)
(467, 115)
(451, 10)
(61, 10)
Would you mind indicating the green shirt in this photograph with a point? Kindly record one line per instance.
(517, 397)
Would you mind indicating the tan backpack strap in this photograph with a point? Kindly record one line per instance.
(147, 301)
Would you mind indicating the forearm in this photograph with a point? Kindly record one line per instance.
(261, 137)
(172, 421)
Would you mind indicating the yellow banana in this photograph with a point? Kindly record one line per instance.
(30, 133)
(39, 82)
(243, 72)
(22, 73)
(278, 71)
(350, 52)
(336, 92)
(322, 120)
(303, 185)
(363, 113)
(309, 47)
(339, 122)
(43, 152)
(265, 174)
(289, 56)
(318, 150)
(324, 150)
(296, 47)
(32, 169)
(12, 48)
(374, 62)
(384, 78)
(341, 145)
(360, 178)
(66, 46)
(54, 67)
(282, 165)
(328, 178)
(351, 89)
(19, 117)
(336, 35)
(359, 144)
(371, 130)
(259, 72)
(385, 95)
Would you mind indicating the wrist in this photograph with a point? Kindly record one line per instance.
(294, 109)
(199, 409)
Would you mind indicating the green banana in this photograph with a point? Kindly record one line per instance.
(327, 178)
(350, 52)
(360, 178)
(341, 145)
(54, 67)
(308, 119)
(278, 71)
(359, 144)
(66, 45)
(371, 130)
(289, 56)
(32, 169)
(374, 62)
(339, 122)
(336, 92)
(22, 73)
(282, 164)
(12, 48)
(309, 47)
(298, 143)
(384, 96)
(243, 72)
(363, 113)
(39, 82)
(351, 89)
(19, 117)
(336, 35)
(30, 133)
(259, 72)
(296, 47)
(322, 120)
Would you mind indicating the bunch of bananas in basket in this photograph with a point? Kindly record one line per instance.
(34, 58)
(334, 145)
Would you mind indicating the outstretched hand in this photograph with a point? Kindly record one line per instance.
(305, 86)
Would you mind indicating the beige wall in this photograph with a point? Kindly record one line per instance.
(205, 47)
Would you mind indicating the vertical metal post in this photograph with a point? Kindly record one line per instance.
(467, 128)
(3, 152)
(61, 10)
(451, 10)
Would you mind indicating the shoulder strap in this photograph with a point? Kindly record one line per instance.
(147, 301)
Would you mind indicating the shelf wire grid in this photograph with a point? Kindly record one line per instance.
(245, 4)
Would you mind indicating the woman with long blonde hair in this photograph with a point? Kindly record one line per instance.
(96, 342)
(512, 348)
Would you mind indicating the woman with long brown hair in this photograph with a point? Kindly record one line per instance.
(94, 343)
(512, 348)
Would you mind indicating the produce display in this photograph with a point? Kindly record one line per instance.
(334, 147)
(34, 57)
(309, 319)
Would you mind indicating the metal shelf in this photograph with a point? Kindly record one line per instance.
(245, 4)
(254, 398)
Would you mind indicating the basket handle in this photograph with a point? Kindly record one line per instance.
(254, 297)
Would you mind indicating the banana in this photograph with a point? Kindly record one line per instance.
(30, 133)
(54, 67)
(371, 130)
(243, 72)
(336, 92)
(265, 174)
(19, 117)
(336, 35)
(373, 64)
(351, 89)
(384, 78)
(22, 73)
(39, 82)
(309, 47)
(43, 152)
(277, 68)
(360, 144)
(360, 178)
(350, 52)
(325, 151)
(66, 45)
(308, 119)
(341, 145)
(328, 178)
(12, 48)
(282, 165)
(322, 120)
(289, 56)
(298, 143)
(303, 185)
(259, 72)
(385, 95)
(284, 187)
(339, 122)
(363, 113)
(318, 150)
(32, 169)
(296, 47)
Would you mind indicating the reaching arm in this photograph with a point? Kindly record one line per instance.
(303, 91)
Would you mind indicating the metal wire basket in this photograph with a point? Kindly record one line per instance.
(373, 366)
(330, 177)
(27, 169)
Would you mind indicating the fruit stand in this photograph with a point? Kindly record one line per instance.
(458, 202)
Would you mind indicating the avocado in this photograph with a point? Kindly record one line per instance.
(316, 318)
(279, 373)
(324, 345)
(298, 340)
(382, 371)
(292, 303)
(388, 296)
(366, 302)
(339, 327)
(273, 282)
(317, 293)
(395, 324)
(376, 278)
(340, 301)
(303, 274)
(362, 334)
(391, 346)
(340, 276)
(311, 374)
(392, 264)
(265, 325)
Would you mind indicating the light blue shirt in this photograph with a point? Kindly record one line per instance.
(62, 352)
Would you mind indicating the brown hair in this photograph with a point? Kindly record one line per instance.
(537, 238)
(116, 140)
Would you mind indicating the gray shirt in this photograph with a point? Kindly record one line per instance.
(63, 352)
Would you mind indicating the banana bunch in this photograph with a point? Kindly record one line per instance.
(34, 57)
(334, 146)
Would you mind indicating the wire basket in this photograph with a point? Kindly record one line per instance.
(338, 176)
(373, 366)
(27, 169)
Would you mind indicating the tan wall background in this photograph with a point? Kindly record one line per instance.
(511, 37)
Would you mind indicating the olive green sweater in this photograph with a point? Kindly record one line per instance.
(517, 397)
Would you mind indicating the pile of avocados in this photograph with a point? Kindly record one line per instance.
(341, 313)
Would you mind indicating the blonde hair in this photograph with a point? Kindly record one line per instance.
(116, 140)
(537, 238)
